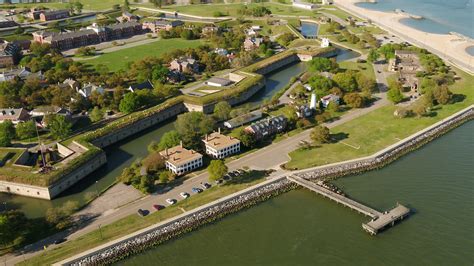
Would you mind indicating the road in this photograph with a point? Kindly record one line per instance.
(285, 98)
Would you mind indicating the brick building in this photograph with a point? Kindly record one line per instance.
(9, 54)
(53, 15)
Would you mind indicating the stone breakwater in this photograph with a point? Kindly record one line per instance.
(173, 229)
(389, 154)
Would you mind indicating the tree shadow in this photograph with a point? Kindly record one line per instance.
(335, 138)
(248, 177)
(456, 98)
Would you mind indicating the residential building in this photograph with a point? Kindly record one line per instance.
(141, 86)
(267, 127)
(221, 51)
(303, 111)
(16, 115)
(180, 160)
(304, 5)
(87, 90)
(73, 84)
(91, 35)
(42, 111)
(243, 119)
(325, 42)
(210, 30)
(161, 24)
(6, 23)
(251, 43)
(185, 64)
(9, 54)
(127, 16)
(22, 73)
(53, 15)
(220, 146)
(34, 13)
(218, 82)
(330, 98)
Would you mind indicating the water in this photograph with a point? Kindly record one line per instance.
(302, 228)
(309, 29)
(470, 50)
(441, 16)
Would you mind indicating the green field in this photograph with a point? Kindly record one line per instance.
(366, 68)
(362, 139)
(88, 4)
(133, 222)
(231, 9)
(118, 60)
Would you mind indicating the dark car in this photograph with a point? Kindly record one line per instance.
(158, 207)
(219, 181)
(142, 213)
(59, 241)
(226, 177)
(206, 185)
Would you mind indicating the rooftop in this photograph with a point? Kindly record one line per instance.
(219, 141)
(220, 81)
(179, 155)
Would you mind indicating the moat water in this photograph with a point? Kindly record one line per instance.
(302, 228)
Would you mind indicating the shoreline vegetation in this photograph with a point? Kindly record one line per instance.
(143, 240)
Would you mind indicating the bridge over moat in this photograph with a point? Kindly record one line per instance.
(380, 220)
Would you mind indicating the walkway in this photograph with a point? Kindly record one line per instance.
(285, 98)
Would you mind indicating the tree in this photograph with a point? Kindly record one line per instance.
(169, 140)
(373, 56)
(26, 130)
(165, 177)
(7, 133)
(59, 127)
(395, 95)
(96, 114)
(222, 110)
(247, 139)
(154, 162)
(321, 85)
(126, 5)
(387, 50)
(346, 81)
(217, 169)
(130, 103)
(159, 73)
(285, 39)
(442, 94)
(321, 64)
(320, 134)
(192, 126)
(354, 100)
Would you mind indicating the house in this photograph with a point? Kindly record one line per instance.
(49, 110)
(93, 34)
(22, 73)
(185, 64)
(161, 24)
(141, 86)
(243, 119)
(180, 160)
(53, 15)
(9, 54)
(174, 76)
(218, 82)
(221, 51)
(127, 16)
(88, 89)
(16, 115)
(210, 30)
(220, 146)
(34, 13)
(330, 98)
(303, 111)
(72, 83)
(325, 42)
(6, 23)
(308, 87)
(304, 5)
(251, 43)
(267, 127)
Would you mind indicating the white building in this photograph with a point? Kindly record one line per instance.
(180, 160)
(88, 89)
(218, 82)
(325, 42)
(220, 146)
(327, 2)
(304, 5)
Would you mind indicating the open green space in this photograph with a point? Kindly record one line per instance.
(376, 130)
(134, 222)
(118, 60)
(365, 68)
(88, 4)
(232, 9)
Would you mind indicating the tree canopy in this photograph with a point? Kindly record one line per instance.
(217, 169)
(192, 126)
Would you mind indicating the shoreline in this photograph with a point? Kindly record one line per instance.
(450, 47)
(154, 235)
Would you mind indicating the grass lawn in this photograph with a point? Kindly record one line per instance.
(133, 222)
(376, 130)
(231, 9)
(118, 60)
(366, 68)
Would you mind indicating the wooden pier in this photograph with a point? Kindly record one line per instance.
(380, 220)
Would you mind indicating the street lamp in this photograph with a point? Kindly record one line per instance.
(100, 231)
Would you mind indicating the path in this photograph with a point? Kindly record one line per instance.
(285, 98)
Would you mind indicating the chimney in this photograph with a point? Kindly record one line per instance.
(166, 152)
(219, 130)
(207, 137)
(181, 143)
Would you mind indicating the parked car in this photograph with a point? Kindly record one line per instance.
(184, 195)
(158, 207)
(205, 185)
(141, 212)
(196, 190)
(170, 201)
(219, 181)
(59, 241)
(227, 177)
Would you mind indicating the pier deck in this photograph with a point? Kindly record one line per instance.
(379, 220)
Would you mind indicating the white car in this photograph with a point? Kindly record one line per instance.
(184, 195)
(170, 201)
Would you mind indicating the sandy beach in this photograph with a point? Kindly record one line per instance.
(451, 48)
